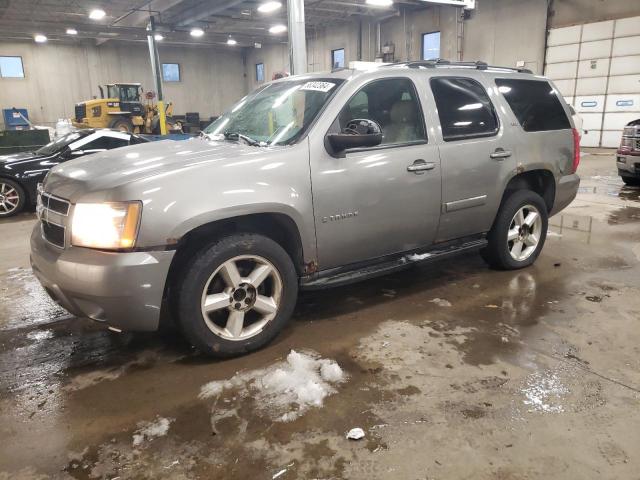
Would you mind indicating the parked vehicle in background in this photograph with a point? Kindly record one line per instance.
(20, 173)
(628, 155)
(309, 182)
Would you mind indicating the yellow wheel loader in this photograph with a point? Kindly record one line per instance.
(123, 110)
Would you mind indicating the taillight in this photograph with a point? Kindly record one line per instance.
(576, 151)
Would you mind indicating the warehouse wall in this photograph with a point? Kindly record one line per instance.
(57, 76)
(503, 32)
(573, 12)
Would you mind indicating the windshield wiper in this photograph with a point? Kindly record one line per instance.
(239, 136)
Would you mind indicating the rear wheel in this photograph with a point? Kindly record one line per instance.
(236, 295)
(631, 181)
(123, 124)
(12, 198)
(518, 233)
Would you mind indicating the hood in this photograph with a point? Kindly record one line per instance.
(107, 171)
(18, 157)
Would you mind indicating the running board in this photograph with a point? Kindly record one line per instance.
(338, 276)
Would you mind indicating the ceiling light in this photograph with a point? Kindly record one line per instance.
(197, 32)
(278, 29)
(97, 14)
(231, 41)
(380, 3)
(268, 7)
(157, 37)
(40, 38)
(72, 31)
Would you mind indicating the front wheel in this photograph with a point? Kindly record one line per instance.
(12, 198)
(518, 233)
(236, 295)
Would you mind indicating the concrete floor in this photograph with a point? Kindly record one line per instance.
(527, 374)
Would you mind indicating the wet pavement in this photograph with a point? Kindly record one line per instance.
(452, 371)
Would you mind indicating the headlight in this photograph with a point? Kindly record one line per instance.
(108, 226)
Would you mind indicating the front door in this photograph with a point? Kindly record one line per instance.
(382, 200)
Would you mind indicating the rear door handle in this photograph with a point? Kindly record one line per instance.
(420, 166)
(500, 153)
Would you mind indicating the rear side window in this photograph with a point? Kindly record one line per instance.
(535, 104)
(464, 108)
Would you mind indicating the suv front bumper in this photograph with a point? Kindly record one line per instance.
(124, 290)
(628, 164)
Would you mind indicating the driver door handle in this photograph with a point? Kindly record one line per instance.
(420, 166)
(500, 153)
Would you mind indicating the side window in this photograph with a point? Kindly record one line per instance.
(394, 105)
(105, 143)
(464, 108)
(535, 104)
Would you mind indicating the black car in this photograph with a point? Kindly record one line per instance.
(20, 173)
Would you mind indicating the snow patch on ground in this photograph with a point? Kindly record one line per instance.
(287, 389)
(150, 430)
(441, 302)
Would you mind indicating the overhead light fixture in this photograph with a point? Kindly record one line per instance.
(268, 7)
(72, 31)
(97, 14)
(40, 38)
(197, 32)
(157, 37)
(231, 41)
(278, 29)
(380, 3)
(257, 45)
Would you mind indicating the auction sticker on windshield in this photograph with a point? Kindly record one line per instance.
(318, 86)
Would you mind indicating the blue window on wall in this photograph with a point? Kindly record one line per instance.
(171, 72)
(260, 72)
(430, 45)
(11, 67)
(337, 58)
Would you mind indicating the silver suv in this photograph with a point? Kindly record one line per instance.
(310, 181)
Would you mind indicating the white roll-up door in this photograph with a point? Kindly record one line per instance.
(596, 66)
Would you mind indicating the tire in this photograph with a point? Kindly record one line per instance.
(242, 318)
(631, 181)
(12, 198)
(501, 252)
(122, 124)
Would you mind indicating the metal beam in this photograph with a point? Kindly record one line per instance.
(297, 37)
(200, 12)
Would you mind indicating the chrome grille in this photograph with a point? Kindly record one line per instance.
(52, 213)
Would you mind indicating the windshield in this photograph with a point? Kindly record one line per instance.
(60, 143)
(276, 114)
(126, 93)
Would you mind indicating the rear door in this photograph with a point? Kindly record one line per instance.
(476, 154)
(372, 202)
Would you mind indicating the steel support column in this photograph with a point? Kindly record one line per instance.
(297, 37)
(157, 73)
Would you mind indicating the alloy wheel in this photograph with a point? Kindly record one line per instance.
(524, 233)
(241, 297)
(9, 198)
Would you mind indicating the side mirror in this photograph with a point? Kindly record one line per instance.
(359, 133)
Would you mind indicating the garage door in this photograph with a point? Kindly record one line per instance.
(596, 66)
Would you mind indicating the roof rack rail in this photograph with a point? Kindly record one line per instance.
(441, 62)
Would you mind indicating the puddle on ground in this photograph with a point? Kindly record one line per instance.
(24, 302)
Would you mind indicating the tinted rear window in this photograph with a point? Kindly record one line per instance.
(464, 108)
(535, 104)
